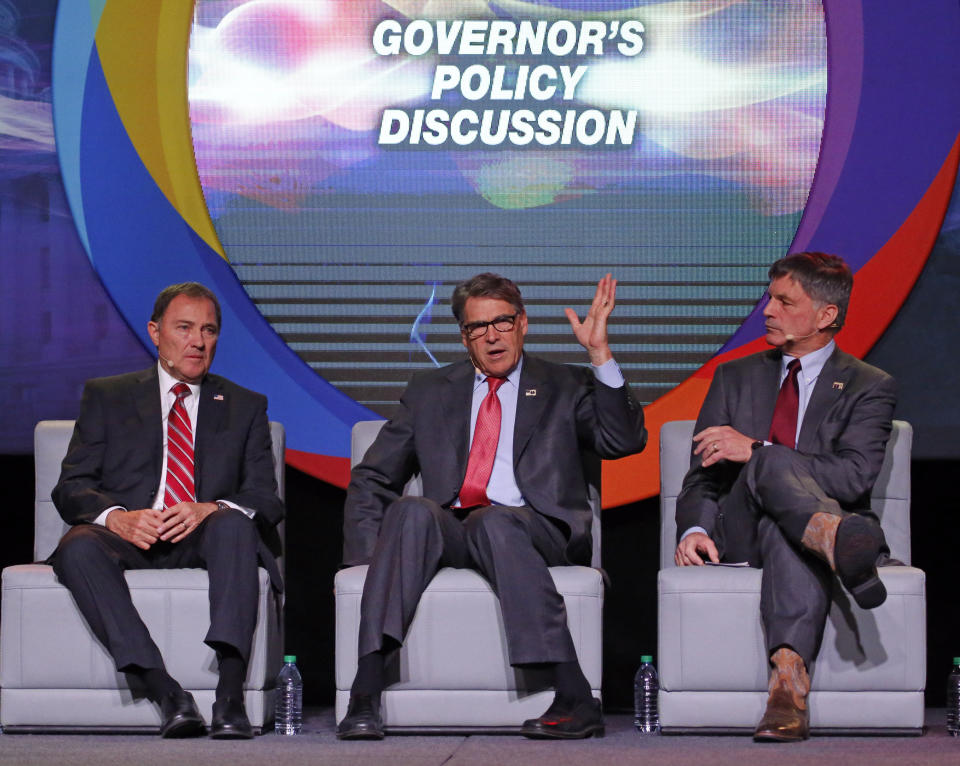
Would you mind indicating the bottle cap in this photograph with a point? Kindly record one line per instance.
(289, 658)
(646, 658)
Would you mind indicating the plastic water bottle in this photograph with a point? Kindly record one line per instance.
(646, 687)
(289, 709)
(953, 699)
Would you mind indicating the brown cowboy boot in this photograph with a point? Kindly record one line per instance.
(786, 718)
(820, 536)
(850, 545)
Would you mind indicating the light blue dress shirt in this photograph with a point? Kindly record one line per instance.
(502, 488)
(811, 366)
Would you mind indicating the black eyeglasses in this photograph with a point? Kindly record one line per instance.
(475, 330)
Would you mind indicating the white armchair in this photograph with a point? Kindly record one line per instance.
(56, 676)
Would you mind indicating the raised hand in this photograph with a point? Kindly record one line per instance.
(591, 333)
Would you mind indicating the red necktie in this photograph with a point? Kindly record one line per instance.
(179, 486)
(486, 435)
(783, 428)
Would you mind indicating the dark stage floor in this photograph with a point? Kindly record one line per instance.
(317, 746)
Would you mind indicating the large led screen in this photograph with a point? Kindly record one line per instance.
(358, 158)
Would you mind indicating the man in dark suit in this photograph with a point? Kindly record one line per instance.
(172, 467)
(497, 441)
(787, 447)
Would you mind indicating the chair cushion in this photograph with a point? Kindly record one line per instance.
(46, 644)
(863, 712)
(711, 612)
(456, 640)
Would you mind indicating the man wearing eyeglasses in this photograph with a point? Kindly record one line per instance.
(497, 440)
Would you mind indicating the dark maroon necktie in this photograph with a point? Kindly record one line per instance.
(783, 429)
(179, 486)
(486, 436)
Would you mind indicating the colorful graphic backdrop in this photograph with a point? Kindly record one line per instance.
(297, 199)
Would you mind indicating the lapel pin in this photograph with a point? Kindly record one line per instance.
(219, 397)
(530, 392)
(837, 385)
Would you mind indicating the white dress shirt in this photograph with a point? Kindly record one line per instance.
(192, 404)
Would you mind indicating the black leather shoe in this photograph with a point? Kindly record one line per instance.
(855, 554)
(180, 716)
(783, 721)
(563, 721)
(362, 720)
(230, 720)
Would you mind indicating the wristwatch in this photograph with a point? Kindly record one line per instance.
(756, 445)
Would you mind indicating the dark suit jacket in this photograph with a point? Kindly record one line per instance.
(116, 452)
(843, 435)
(570, 413)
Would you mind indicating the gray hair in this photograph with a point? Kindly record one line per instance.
(825, 278)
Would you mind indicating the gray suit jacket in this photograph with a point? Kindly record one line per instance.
(843, 435)
(116, 452)
(570, 413)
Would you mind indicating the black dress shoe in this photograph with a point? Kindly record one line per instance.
(855, 554)
(565, 721)
(783, 721)
(180, 716)
(362, 720)
(230, 720)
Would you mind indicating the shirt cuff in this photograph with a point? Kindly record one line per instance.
(248, 512)
(609, 374)
(692, 530)
(102, 518)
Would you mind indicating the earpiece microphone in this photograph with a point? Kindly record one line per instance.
(790, 338)
(166, 361)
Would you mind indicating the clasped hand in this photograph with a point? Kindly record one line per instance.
(146, 526)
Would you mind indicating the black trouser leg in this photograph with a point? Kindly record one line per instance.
(777, 483)
(226, 546)
(90, 562)
(512, 548)
(416, 538)
(794, 594)
(763, 519)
